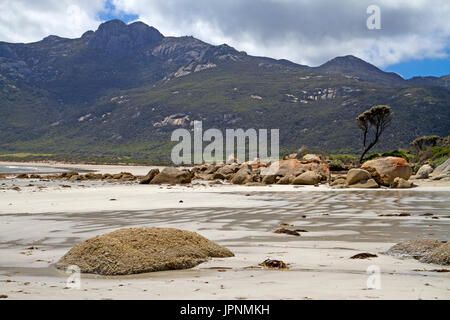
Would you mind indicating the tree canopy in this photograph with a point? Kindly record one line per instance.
(373, 122)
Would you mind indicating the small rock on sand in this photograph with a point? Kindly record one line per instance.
(364, 255)
(287, 231)
(274, 264)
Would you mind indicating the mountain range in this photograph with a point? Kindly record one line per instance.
(121, 90)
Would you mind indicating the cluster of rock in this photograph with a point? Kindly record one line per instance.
(75, 176)
(291, 171)
(310, 170)
(441, 172)
(168, 175)
(388, 172)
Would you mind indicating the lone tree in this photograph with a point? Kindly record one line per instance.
(372, 123)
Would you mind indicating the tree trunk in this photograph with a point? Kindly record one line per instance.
(370, 146)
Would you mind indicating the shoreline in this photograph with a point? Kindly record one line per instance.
(53, 216)
(140, 170)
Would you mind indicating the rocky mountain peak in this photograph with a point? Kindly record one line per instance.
(348, 61)
(358, 68)
(116, 37)
(112, 27)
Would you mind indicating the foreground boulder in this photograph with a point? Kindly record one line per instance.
(385, 170)
(140, 250)
(426, 250)
(172, 175)
(149, 177)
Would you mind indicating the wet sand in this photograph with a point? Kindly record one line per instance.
(340, 223)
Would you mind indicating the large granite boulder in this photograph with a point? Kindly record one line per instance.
(385, 170)
(255, 164)
(228, 169)
(212, 168)
(311, 157)
(140, 250)
(307, 178)
(442, 171)
(243, 176)
(93, 176)
(357, 175)
(286, 180)
(68, 175)
(294, 167)
(400, 183)
(286, 168)
(123, 176)
(269, 179)
(365, 184)
(424, 172)
(149, 177)
(339, 182)
(172, 175)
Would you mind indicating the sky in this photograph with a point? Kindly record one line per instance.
(409, 37)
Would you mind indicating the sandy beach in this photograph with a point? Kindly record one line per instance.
(42, 221)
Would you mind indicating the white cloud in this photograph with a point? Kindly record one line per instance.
(28, 21)
(304, 31)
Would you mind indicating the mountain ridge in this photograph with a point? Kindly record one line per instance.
(118, 90)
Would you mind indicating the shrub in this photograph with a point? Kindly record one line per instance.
(425, 142)
(372, 156)
(439, 161)
(336, 165)
(396, 153)
(439, 152)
